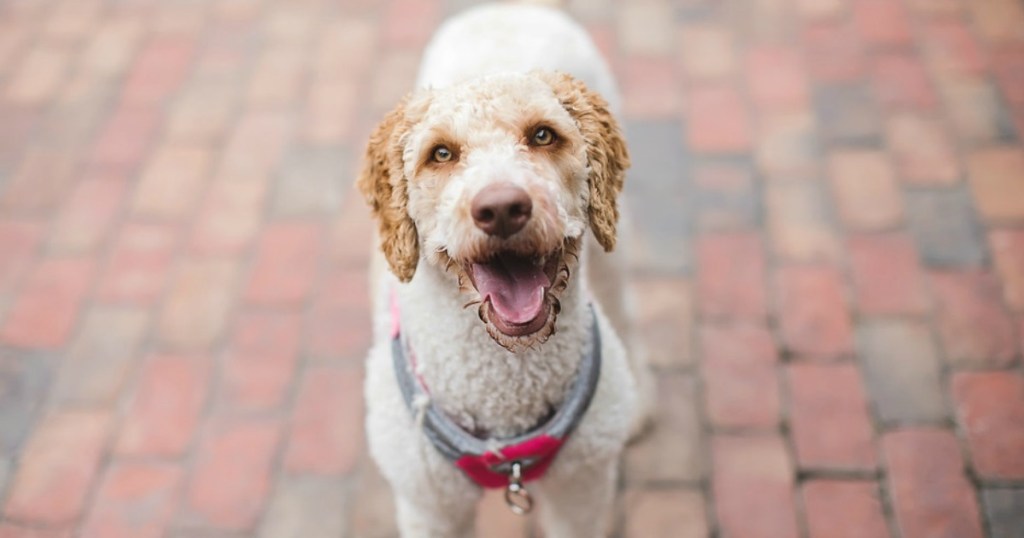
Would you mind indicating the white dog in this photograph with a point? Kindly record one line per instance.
(495, 363)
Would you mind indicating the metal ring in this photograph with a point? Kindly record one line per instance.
(518, 499)
(516, 496)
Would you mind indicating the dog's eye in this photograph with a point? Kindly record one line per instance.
(442, 154)
(543, 137)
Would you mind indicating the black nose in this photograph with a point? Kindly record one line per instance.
(501, 209)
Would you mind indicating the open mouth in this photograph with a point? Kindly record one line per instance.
(514, 290)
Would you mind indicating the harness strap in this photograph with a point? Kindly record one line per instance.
(533, 450)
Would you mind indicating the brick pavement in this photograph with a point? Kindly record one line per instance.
(829, 249)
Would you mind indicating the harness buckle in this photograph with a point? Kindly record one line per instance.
(517, 498)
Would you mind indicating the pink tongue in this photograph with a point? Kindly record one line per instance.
(515, 286)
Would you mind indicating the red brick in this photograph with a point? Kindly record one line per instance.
(753, 487)
(158, 71)
(141, 258)
(928, 460)
(811, 306)
(646, 28)
(950, 48)
(231, 479)
(326, 433)
(88, 215)
(172, 182)
(833, 52)
(776, 78)
(829, 418)
(730, 276)
(990, 409)
(882, 23)
(922, 150)
(277, 79)
(44, 313)
(409, 23)
(843, 509)
(126, 138)
(707, 51)
(799, 222)
(900, 81)
(997, 21)
(40, 183)
(973, 326)
(196, 307)
(739, 366)
(1008, 67)
(995, 175)
(135, 500)
(664, 513)
(332, 110)
(19, 241)
(865, 188)
(163, 416)
(347, 48)
(230, 217)
(202, 113)
(57, 468)
(39, 75)
(886, 274)
(259, 367)
(352, 231)
(650, 87)
(717, 121)
(287, 257)
(8, 530)
(1008, 250)
(339, 323)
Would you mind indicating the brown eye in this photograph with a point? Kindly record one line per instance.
(543, 137)
(442, 154)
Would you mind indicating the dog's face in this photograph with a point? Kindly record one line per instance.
(494, 182)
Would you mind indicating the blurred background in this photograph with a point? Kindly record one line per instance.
(828, 199)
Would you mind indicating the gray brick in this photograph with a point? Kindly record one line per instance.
(945, 227)
(24, 380)
(727, 196)
(660, 197)
(1004, 509)
(847, 114)
(307, 506)
(100, 357)
(312, 181)
(674, 448)
(976, 110)
(902, 371)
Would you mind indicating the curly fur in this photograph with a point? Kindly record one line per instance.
(487, 80)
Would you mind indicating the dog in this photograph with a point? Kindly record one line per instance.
(501, 324)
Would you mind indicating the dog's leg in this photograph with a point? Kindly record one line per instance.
(437, 516)
(578, 506)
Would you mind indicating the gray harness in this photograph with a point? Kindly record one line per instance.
(502, 462)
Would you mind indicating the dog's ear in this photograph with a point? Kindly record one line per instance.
(607, 155)
(383, 183)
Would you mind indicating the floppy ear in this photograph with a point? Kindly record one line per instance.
(607, 155)
(383, 183)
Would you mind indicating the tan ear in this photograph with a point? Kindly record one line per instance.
(607, 154)
(383, 183)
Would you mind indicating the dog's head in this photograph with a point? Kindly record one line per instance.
(494, 181)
